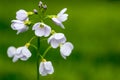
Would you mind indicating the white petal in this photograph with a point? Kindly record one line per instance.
(47, 31)
(58, 22)
(54, 43)
(69, 44)
(11, 51)
(50, 38)
(63, 56)
(36, 26)
(62, 40)
(15, 58)
(42, 70)
(19, 50)
(59, 36)
(49, 67)
(16, 25)
(66, 49)
(21, 15)
(18, 53)
(62, 12)
(62, 26)
(22, 30)
(17, 21)
(40, 32)
(26, 54)
(63, 17)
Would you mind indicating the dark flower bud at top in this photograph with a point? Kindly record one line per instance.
(45, 7)
(35, 11)
(40, 4)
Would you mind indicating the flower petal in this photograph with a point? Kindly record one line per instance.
(47, 31)
(40, 32)
(36, 26)
(26, 54)
(16, 25)
(11, 51)
(50, 38)
(54, 43)
(42, 70)
(17, 21)
(21, 15)
(22, 30)
(58, 36)
(62, 12)
(15, 58)
(19, 50)
(66, 49)
(49, 67)
(58, 22)
(63, 17)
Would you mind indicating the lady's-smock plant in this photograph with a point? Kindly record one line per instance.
(23, 23)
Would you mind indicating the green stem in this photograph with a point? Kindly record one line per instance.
(32, 39)
(36, 49)
(32, 45)
(46, 51)
(43, 39)
(38, 57)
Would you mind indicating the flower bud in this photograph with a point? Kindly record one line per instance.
(35, 11)
(53, 31)
(27, 22)
(30, 13)
(45, 7)
(40, 4)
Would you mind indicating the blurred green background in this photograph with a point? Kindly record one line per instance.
(93, 27)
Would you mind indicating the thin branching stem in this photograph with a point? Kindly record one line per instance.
(32, 39)
(46, 51)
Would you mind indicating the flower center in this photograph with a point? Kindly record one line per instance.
(41, 26)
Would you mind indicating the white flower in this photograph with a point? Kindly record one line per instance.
(19, 26)
(46, 68)
(21, 15)
(41, 29)
(66, 49)
(56, 39)
(61, 17)
(21, 53)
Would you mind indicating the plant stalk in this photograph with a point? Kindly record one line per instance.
(38, 57)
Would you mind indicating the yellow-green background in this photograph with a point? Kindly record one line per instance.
(93, 27)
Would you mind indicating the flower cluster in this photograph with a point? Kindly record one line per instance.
(21, 53)
(41, 29)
